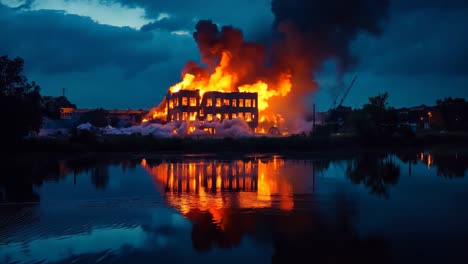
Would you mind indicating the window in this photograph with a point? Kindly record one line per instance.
(193, 101)
(184, 101)
(254, 102)
(172, 117)
(234, 102)
(241, 115)
(178, 116)
(226, 116)
(248, 117)
(193, 116)
(171, 104)
(218, 115)
(184, 115)
(226, 102)
(218, 102)
(241, 102)
(209, 117)
(209, 102)
(248, 103)
(201, 112)
(176, 101)
(234, 115)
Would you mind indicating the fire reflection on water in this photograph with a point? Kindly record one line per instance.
(213, 186)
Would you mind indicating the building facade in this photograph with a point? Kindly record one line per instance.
(186, 105)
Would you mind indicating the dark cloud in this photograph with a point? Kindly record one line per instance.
(169, 24)
(245, 14)
(419, 41)
(407, 6)
(53, 42)
(325, 29)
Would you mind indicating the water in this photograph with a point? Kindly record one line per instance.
(373, 208)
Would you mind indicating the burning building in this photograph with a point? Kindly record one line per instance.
(187, 105)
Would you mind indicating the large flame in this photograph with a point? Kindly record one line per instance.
(224, 79)
(230, 64)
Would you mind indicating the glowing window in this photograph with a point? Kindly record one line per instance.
(172, 117)
(193, 101)
(176, 102)
(193, 116)
(254, 102)
(226, 116)
(226, 102)
(209, 117)
(241, 115)
(234, 102)
(184, 115)
(178, 116)
(209, 102)
(241, 102)
(218, 116)
(248, 103)
(248, 117)
(201, 112)
(184, 101)
(234, 116)
(171, 104)
(218, 102)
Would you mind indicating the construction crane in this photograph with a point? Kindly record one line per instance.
(347, 91)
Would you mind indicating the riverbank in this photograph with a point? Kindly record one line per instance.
(281, 145)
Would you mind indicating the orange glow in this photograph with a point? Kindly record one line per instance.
(225, 79)
(213, 185)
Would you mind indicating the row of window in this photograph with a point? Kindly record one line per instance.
(233, 102)
(247, 116)
(192, 101)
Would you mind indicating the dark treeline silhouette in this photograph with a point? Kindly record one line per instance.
(377, 120)
(20, 102)
(22, 107)
(450, 114)
(51, 105)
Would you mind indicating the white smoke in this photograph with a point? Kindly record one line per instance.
(236, 127)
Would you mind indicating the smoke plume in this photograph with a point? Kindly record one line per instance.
(324, 29)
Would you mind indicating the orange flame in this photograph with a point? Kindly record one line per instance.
(224, 80)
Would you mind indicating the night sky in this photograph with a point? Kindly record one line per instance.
(126, 53)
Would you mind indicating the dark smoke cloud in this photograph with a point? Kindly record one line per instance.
(324, 29)
(247, 58)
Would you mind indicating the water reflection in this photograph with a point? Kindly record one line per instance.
(279, 209)
(258, 183)
(376, 173)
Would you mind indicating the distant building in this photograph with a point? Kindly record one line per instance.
(66, 112)
(417, 116)
(186, 105)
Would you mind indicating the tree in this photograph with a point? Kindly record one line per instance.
(51, 105)
(20, 101)
(453, 114)
(374, 119)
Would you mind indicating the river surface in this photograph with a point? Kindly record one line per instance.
(371, 208)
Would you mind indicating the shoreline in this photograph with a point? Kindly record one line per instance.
(304, 146)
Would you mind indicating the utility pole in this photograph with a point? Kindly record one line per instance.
(63, 92)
